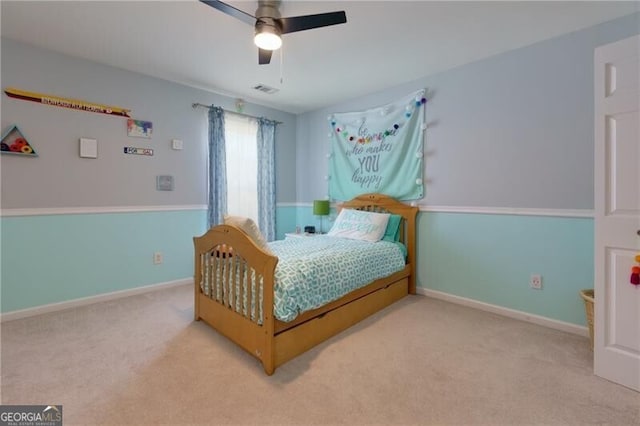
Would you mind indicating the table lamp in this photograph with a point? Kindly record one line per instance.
(321, 208)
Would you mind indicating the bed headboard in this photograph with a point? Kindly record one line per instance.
(381, 203)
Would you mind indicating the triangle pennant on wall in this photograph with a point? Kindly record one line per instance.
(14, 142)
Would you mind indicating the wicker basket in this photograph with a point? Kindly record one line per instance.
(587, 296)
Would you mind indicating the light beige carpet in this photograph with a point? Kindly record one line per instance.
(142, 360)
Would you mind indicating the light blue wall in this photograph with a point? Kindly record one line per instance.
(60, 178)
(49, 259)
(512, 131)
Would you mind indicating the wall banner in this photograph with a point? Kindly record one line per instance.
(378, 150)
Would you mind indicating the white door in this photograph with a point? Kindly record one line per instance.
(617, 212)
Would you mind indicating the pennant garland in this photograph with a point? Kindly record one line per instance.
(381, 135)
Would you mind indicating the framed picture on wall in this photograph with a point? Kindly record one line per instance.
(139, 128)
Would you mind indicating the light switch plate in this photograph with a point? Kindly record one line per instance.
(176, 144)
(88, 148)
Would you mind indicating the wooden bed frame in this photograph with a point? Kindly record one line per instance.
(272, 341)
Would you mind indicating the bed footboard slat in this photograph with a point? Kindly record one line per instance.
(240, 267)
(232, 283)
(249, 287)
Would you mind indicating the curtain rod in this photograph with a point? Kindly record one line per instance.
(199, 105)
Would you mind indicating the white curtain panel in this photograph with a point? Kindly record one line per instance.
(242, 166)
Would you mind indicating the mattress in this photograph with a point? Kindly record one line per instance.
(314, 271)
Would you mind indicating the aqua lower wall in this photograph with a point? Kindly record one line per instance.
(489, 258)
(484, 257)
(288, 217)
(49, 259)
(285, 220)
(57, 258)
(305, 217)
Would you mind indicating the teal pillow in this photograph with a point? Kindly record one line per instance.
(392, 233)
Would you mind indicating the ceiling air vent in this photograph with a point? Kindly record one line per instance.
(265, 89)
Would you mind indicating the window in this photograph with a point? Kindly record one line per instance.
(242, 165)
(241, 173)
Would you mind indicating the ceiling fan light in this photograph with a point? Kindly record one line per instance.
(267, 39)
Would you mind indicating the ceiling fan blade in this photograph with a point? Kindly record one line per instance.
(231, 11)
(264, 56)
(308, 22)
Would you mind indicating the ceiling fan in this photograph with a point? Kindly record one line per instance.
(269, 25)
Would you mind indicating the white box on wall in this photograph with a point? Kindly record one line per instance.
(176, 144)
(88, 148)
(164, 183)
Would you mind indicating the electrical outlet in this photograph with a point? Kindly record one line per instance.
(157, 258)
(535, 282)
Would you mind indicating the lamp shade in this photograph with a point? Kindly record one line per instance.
(321, 207)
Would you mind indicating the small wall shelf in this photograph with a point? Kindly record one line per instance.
(14, 142)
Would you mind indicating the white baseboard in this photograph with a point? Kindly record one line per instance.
(53, 307)
(511, 313)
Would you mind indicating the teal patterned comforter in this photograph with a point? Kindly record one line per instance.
(314, 271)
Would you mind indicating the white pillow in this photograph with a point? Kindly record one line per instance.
(360, 225)
(250, 228)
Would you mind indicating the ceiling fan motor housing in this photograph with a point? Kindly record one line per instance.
(268, 15)
(268, 9)
(263, 24)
